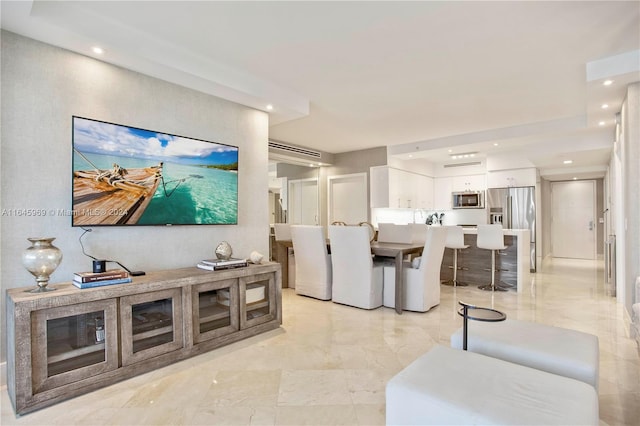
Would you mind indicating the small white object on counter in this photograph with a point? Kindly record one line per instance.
(256, 257)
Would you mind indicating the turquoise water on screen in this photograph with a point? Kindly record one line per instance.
(191, 194)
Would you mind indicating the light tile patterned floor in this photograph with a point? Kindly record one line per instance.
(329, 364)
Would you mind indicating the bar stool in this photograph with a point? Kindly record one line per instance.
(455, 241)
(491, 237)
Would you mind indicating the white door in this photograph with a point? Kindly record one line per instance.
(573, 227)
(303, 202)
(348, 198)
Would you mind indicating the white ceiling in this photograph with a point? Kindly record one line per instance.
(420, 77)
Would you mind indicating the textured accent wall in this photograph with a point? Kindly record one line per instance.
(42, 88)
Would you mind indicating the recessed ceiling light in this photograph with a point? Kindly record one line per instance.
(495, 144)
(568, 161)
(97, 50)
(410, 155)
(450, 150)
(608, 82)
(602, 123)
(463, 155)
(575, 178)
(269, 107)
(605, 106)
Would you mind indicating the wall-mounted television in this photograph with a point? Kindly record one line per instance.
(125, 176)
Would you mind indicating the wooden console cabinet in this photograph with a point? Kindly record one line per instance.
(68, 342)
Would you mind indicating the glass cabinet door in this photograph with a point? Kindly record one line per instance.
(215, 309)
(257, 300)
(75, 342)
(151, 324)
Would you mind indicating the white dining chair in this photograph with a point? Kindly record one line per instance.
(421, 284)
(282, 231)
(392, 233)
(356, 280)
(418, 232)
(491, 237)
(313, 263)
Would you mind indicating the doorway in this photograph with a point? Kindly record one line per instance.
(573, 226)
(347, 198)
(303, 202)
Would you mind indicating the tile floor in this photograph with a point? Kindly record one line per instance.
(328, 364)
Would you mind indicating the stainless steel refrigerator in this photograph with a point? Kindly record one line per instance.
(514, 208)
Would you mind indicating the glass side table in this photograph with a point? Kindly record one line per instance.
(476, 313)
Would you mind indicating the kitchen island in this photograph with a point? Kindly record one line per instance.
(512, 264)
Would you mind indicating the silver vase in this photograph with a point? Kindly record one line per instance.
(41, 259)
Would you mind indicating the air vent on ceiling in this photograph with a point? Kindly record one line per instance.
(294, 149)
(472, 163)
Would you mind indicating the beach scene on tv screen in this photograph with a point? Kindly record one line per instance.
(128, 176)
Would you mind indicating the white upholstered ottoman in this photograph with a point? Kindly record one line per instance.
(448, 386)
(569, 353)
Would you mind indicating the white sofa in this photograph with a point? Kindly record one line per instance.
(447, 386)
(561, 351)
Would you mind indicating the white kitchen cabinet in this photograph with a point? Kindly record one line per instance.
(424, 189)
(399, 189)
(442, 188)
(399, 192)
(515, 177)
(379, 186)
(469, 183)
(386, 188)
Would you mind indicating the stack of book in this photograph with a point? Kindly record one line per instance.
(220, 264)
(98, 279)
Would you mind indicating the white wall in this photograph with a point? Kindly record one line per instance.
(508, 161)
(420, 166)
(440, 171)
(42, 88)
(616, 210)
(630, 223)
(624, 198)
(347, 163)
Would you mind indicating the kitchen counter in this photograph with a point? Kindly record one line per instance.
(514, 232)
(512, 264)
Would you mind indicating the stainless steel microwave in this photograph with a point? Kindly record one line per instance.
(468, 200)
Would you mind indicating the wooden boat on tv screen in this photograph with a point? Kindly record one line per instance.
(117, 196)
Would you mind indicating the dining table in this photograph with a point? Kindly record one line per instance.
(282, 257)
(397, 251)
